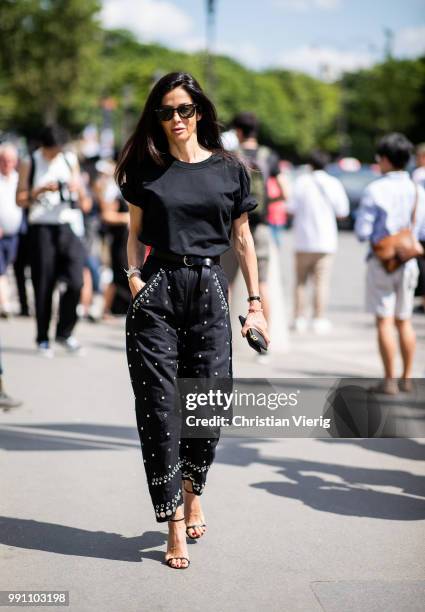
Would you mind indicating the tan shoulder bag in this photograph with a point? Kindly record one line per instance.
(393, 251)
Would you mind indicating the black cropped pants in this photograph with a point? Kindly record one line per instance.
(174, 331)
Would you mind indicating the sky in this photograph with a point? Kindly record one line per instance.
(320, 37)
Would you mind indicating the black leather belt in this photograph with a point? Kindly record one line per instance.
(189, 261)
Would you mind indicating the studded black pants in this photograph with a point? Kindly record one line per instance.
(174, 331)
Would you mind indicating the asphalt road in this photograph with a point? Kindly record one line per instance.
(293, 524)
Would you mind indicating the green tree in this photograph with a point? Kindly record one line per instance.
(384, 98)
(56, 62)
(296, 112)
(48, 52)
(312, 114)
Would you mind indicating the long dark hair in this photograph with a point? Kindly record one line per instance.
(149, 140)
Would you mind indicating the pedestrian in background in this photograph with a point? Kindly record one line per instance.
(91, 299)
(10, 220)
(419, 172)
(318, 199)
(115, 217)
(277, 216)
(386, 208)
(263, 164)
(419, 178)
(50, 186)
(6, 401)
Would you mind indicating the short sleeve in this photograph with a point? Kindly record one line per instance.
(366, 215)
(130, 193)
(244, 201)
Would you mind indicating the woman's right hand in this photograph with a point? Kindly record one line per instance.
(136, 284)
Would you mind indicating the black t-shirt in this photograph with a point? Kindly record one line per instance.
(188, 208)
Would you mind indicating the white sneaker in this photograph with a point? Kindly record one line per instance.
(321, 326)
(300, 325)
(96, 308)
(71, 345)
(44, 350)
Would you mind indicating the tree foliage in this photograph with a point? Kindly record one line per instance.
(48, 59)
(383, 99)
(56, 62)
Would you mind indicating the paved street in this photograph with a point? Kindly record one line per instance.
(293, 524)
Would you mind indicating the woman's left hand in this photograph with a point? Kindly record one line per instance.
(257, 320)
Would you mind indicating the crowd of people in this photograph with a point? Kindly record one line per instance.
(64, 224)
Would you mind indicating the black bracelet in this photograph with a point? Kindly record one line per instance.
(251, 298)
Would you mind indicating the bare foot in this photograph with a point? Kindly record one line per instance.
(193, 512)
(176, 545)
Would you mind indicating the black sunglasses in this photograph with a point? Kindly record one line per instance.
(185, 111)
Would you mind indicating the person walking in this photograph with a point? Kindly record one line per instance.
(6, 401)
(50, 185)
(263, 164)
(318, 199)
(115, 218)
(390, 204)
(21, 264)
(10, 220)
(418, 177)
(188, 198)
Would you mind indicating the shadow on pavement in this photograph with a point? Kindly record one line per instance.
(54, 538)
(340, 489)
(15, 350)
(404, 448)
(30, 437)
(328, 487)
(120, 348)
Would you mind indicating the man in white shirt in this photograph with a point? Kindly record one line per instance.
(317, 200)
(386, 208)
(10, 219)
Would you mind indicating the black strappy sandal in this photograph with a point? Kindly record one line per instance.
(193, 526)
(181, 558)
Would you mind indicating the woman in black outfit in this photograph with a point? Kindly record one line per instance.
(188, 197)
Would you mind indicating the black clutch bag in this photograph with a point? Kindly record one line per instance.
(255, 338)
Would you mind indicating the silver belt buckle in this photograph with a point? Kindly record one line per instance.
(185, 262)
